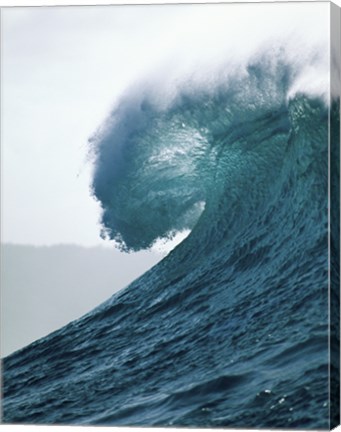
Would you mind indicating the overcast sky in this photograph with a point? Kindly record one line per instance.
(62, 69)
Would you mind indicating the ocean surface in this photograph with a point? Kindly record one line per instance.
(231, 328)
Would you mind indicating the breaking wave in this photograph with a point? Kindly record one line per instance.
(231, 328)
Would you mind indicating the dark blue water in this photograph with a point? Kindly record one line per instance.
(231, 328)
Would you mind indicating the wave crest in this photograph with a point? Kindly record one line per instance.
(158, 164)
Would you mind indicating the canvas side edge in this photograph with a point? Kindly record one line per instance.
(334, 197)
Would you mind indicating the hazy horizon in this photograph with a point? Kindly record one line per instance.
(54, 88)
(45, 287)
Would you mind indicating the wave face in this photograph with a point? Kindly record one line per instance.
(231, 328)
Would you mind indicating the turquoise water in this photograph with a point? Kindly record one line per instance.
(231, 328)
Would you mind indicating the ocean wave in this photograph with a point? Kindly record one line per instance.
(156, 170)
(229, 330)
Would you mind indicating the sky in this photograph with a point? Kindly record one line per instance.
(61, 72)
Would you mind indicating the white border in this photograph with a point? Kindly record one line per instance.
(10, 3)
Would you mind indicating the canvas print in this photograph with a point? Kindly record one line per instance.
(170, 215)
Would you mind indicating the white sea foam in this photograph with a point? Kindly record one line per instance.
(212, 42)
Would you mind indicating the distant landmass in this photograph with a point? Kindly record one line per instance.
(44, 288)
